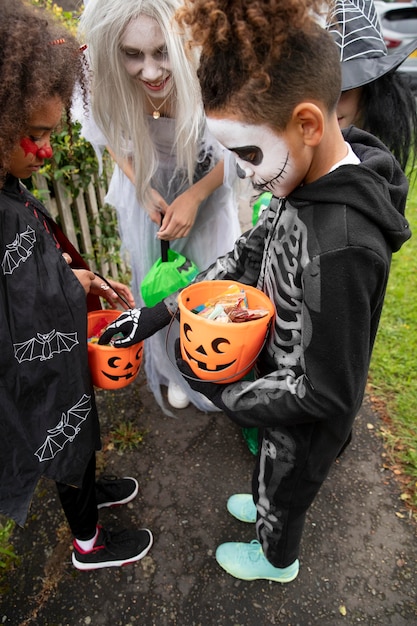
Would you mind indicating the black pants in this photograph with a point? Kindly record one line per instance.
(292, 465)
(80, 505)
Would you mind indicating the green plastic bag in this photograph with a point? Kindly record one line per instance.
(261, 203)
(250, 435)
(171, 272)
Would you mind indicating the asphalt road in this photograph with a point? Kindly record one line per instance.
(358, 558)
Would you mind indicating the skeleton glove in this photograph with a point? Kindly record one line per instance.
(136, 325)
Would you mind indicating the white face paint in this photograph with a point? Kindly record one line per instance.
(145, 56)
(262, 155)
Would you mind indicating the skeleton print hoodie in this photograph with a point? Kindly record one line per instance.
(322, 255)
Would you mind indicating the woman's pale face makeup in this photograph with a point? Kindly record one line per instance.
(35, 146)
(273, 162)
(145, 56)
(348, 108)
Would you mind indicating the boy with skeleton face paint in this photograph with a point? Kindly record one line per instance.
(270, 79)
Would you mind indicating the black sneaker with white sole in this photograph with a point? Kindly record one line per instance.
(113, 491)
(113, 549)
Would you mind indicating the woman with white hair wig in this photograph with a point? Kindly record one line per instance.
(171, 178)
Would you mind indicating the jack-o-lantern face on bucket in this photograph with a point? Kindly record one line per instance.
(110, 367)
(216, 351)
(123, 367)
(213, 355)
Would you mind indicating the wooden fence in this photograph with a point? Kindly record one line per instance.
(87, 221)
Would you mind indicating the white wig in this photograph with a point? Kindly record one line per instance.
(118, 100)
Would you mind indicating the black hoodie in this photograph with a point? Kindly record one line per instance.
(323, 256)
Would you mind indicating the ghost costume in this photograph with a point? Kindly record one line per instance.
(213, 234)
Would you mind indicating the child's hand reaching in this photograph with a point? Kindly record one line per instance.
(114, 292)
(111, 290)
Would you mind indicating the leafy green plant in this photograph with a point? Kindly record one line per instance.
(126, 436)
(67, 17)
(74, 162)
(75, 165)
(6, 550)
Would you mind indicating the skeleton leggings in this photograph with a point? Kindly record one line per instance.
(291, 466)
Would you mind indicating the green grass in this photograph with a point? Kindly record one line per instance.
(126, 436)
(394, 363)
(7, 554)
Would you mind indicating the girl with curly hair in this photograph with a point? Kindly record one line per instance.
(48, 417)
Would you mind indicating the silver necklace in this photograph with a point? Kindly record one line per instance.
(156, 110)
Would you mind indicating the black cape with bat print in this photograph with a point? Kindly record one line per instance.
(48, 418)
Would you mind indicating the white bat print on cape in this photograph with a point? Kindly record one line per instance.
(18, 251)
(45, 345)
(66, 430)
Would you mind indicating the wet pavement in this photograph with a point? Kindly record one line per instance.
(358, 557)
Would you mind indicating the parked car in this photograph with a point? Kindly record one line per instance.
(399, 28)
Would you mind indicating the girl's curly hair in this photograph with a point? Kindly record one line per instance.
(39, 59)
(262, 57)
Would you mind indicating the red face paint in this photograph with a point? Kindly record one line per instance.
(30, 147)
(44, 153)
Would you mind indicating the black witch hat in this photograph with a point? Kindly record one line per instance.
(355, 27)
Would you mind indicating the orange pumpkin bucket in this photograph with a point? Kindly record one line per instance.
(217, 351)
(110, 367)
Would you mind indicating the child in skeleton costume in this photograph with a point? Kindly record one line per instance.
(170, 181)
(48, 417)
(374, 91)
(321, 251)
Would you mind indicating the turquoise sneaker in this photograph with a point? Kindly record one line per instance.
(247, 562)
(241, 506)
